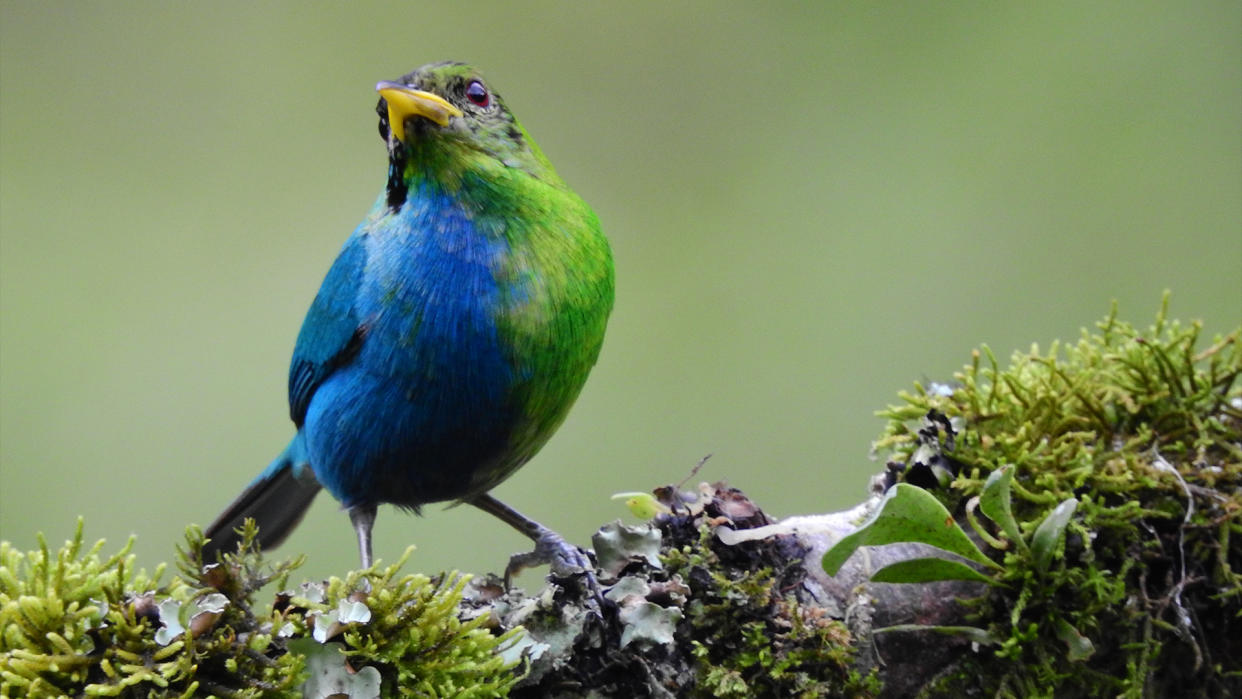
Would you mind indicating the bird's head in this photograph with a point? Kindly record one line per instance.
(444, 118)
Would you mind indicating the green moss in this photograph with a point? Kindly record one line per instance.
(416, 638)
(750, 639)
(1145, 429)
(77, 624)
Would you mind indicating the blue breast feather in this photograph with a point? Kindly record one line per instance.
(400, 380)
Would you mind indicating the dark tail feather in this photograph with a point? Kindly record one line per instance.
(276, 501)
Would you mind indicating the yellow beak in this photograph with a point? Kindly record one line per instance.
(405, 102)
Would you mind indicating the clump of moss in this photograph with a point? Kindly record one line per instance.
(414, 635)
(76, 624)
(1145, 430)
(747, 632)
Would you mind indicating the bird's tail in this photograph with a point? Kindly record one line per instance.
(276, 501)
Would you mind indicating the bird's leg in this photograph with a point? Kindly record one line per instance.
(363, 518)
(565, 559)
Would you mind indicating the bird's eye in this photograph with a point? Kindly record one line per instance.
(477, 93)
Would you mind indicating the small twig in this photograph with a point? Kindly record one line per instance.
(693, 471)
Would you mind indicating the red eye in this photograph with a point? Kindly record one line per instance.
(478, 94)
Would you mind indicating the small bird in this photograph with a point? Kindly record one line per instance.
(452, 333)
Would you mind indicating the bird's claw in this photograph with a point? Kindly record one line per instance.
(564, 560)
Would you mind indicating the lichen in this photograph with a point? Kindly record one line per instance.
(77, 624)
(747, 632)
(1143, 594)
(416, 637)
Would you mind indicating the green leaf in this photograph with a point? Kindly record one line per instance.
(995, 501)
(907, 514)
(1080, 647)
(1050, 532)
(922, 570)
(642, 505)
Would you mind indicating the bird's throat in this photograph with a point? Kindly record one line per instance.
(397, 187)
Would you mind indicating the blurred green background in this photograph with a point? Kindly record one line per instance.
(811, 207)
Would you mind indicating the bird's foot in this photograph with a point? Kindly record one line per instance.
(564, 560)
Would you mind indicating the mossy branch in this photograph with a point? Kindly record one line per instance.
(1101, 479)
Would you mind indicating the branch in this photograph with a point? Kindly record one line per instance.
(1069, 525)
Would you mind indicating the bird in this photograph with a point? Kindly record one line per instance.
(452, 333)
